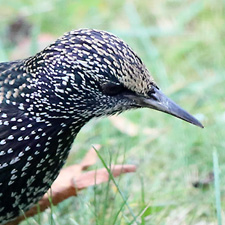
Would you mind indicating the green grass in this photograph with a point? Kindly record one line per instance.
(217, 187)
(182, 43)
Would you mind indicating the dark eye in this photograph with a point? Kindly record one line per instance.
(112, 88)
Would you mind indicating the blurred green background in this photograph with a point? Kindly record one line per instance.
(182, 43)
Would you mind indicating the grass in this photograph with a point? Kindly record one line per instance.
(217, 187)
(182, 44)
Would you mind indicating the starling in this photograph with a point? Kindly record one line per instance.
(47, 98)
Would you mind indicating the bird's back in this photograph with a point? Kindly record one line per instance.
(4, 66)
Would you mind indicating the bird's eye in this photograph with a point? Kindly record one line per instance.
(112, 88)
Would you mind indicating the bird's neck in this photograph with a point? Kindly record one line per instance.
(40, 95)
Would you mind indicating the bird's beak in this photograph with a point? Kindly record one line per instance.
(159, 101)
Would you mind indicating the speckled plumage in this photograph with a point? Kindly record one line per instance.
(46, 99)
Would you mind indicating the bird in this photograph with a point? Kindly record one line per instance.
(47, 98)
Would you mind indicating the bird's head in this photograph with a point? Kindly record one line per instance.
(101, 75)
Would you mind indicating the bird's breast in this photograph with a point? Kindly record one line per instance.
(31, 156)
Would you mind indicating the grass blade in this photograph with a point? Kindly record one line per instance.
(117, 186)
(217, 187)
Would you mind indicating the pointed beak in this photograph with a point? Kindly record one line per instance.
(159, 101)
